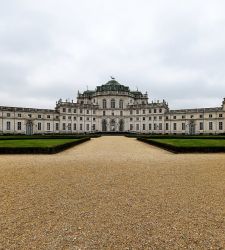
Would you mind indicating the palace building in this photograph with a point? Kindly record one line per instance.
(112, 107)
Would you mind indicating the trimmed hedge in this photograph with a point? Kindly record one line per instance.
(39, 150)
(178, 150)
(217, 137)
(31, 137)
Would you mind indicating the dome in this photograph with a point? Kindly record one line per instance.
(112, 82)
(112, 85)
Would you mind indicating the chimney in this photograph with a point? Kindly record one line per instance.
(223, 105)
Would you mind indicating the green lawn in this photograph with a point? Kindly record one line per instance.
(192, 142)
(43, 143)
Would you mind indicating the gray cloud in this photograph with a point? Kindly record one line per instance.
(51, 49)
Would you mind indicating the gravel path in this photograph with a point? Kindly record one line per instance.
(112, 193)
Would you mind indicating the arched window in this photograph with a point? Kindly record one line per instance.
(104, 103)
(113, 103)
(121, 104)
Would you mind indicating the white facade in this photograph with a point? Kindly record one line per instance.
(112, 107)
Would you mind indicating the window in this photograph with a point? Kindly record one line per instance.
(220, 115)
(69, 110)
(210, 126)
(131, 127)
(155, 110)
(64, 117)
(137, 127)
(29, 115)
(210, 115)
(39, 116)
(81, 126)
(131, 112)
(87, 127)
(192, 116)
(183, 126)
(48, 126)
(87, 112)
(220, 125)
(167, 126)
(131, 119)
(143, 126)
(94, 112)
(155, 118)
(137, 118)
(74, 126)
(81, 111)
(160, 117)
(94, 119)
(174, 117)
(143, 111)
(8, 114)
(160, 110)
(8, 125)
(121, 104)
(74, 111)
(113, 103)
(137, 112)
(201, 126)
(18, 125)
(69, 126)
(64, 110)
(150, 111)
(167, 118)
(69, 117)
(143, 118)
(150, 126)
(150, 118)
(155, 126)
(74, 118)
(57, 126)
(64, 126)
(183, 116)
(200, 116)
(174, 126)
(81, 118)
(104, 104)
(39, 126)
(19, 115)
(104, 113)
(121, 113)
(48, 116)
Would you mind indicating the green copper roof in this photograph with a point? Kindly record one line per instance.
(112, 85)
(112, 82)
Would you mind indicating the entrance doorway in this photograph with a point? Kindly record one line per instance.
(191, 128)
(104, 126)
(113, 125)
(121, 125)
(29, 128)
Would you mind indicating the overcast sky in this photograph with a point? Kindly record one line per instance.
(50, 49)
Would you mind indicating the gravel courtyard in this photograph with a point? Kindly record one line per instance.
(112, 193)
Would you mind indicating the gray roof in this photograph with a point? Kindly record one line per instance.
(198, 110)
(20, 109)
